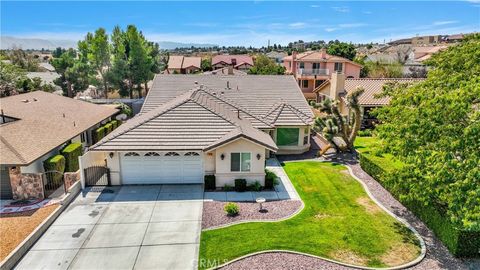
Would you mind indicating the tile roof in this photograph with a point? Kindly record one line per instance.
(319, 56)
(170, 125)
(179, 62)
(45, 121)
(192, 62)
(372, 88)
(227, 59)
(224, 71)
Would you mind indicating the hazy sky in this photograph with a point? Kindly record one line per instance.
(243, 23)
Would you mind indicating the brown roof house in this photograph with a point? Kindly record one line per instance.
(241, 62)
(196, 125)
(33, 127)
(178, 64)
(338, 87)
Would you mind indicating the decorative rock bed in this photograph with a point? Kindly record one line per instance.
(214, 215)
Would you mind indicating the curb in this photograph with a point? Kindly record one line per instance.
(365, 187)
(16, 255)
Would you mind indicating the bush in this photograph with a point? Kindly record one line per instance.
(240, 185)
(255, 186)
(210, 182)
(270, 179)
(231, 209)
(108, 128)
(365, 133)
(71, 153)
(227, 187)
(55, 164)
(98, 134)
(114, 124)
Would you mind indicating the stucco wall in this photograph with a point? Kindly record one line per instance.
(37, 165)
(114, 164)
(223, 174)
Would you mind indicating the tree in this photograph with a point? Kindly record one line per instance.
(342, 49)
(97, 50)
(334, 124)
(434, 127)
(10, 75)
(383, 69)
(74, 73)
(266, 66)
(206, 64)
(58, 52)
(23, 60)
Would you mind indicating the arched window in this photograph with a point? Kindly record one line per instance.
(192, 154)
(132, 154)
(170, 154)
(152, 154)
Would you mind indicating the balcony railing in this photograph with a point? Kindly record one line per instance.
(317, 71)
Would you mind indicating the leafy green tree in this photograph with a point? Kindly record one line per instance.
(434, 128)
(24, 60)
(342, 49)
(266, 66)
(206, 64)
(333, 124)
(383, 69)
(10, 76)
(74, 73)
(58, 52)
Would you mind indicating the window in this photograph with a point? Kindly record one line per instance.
(152, 154)
(316, 66)
(305, 83)
(287, 136)
(338, 67)
(83, 137)
(240, 162)
(305, 136)
(191, 154)
(132, 154)
(302, 65)
(171, 154)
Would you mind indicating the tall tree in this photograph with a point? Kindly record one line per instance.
(434, 127)
(24, 60)
(10, 76)
(266, 66)
(342, 49)
(97, 50)
(74, 73)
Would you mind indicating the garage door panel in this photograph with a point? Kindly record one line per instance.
(162, 169)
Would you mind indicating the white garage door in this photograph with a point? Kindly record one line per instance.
(162, 168)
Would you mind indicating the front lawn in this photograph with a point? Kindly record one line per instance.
(339, 222)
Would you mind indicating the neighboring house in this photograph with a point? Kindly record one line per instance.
(36, 125)
(226, 71)
(338, 87)
(197, 125)
(276, 56)
(183, 64)
(313, 68)
(240, 62)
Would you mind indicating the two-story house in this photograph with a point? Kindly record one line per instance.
(313, 68)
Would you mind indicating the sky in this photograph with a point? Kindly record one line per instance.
(246, 23)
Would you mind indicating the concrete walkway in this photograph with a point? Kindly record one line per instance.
(283, 191)
(129, 227)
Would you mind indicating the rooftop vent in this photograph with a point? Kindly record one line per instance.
(228, 84)
(25, 100)
(196, 82)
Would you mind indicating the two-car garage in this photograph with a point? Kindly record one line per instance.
(161, 168)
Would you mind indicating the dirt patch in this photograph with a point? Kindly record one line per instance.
(348, 256)
(321, 216)
(16, 227)
(400, 254)
(369, 205)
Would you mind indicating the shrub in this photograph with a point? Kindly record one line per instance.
(227, 187)
(56, 165)
(114, 124)
(231, 209)
(255, 186)
(98, 134)
(108, 128)
(365, 133)
(240, 185)
(71, 153)
(210, 182)
(270, 179)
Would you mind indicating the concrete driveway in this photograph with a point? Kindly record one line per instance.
(129, 227)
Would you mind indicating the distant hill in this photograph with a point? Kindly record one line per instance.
(170, 45)
(8, 42)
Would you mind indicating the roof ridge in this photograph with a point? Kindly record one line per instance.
(298, 112)
(17, 154)
(278, 107)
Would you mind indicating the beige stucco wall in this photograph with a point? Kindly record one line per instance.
(294, 149)
(114, 164)
(223, 175)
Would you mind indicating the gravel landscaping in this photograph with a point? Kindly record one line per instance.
(214, 215)
(17, 226)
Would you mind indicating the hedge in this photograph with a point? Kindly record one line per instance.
(71, 153)
(108, 128)
(98, 134)
(57, 164)
(461, 243)
(114, 124)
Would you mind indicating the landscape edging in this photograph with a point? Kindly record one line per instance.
(365, 187)
(16, 255)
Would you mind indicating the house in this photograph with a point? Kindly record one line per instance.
(184, 65)
(240, 62)
(36, 125)
(277, 57)
(196, 125)
(338, 87)
(312, 68)
(226, 71)
(46, 77)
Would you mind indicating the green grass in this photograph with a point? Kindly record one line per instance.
(371, 147)
(333, 224)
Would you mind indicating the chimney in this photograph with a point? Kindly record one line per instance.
(323, 53)
(337, 85)
(230, 70)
